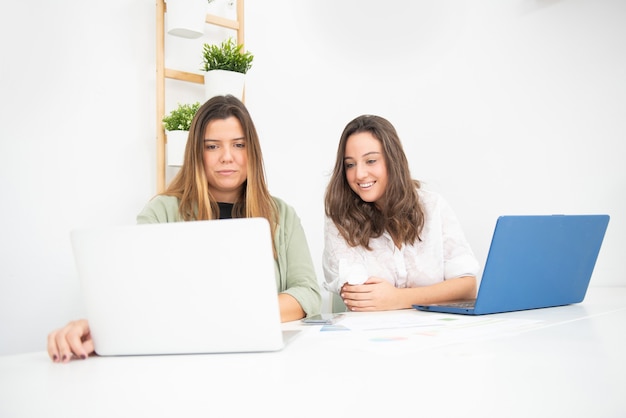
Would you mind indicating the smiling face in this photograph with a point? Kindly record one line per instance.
(225, 158)
(365, 167)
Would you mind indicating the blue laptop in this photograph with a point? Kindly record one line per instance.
(535, 261)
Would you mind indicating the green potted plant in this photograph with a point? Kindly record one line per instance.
(225, 66)
(180, 118)
(177, 124)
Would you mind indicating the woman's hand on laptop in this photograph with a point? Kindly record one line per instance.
(74, 339)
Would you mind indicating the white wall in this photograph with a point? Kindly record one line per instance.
(504, 107)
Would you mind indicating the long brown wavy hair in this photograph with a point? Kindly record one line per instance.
(359, 221)
(190, 185)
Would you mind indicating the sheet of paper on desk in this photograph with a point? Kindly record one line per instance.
(367, 322)
(406, 332)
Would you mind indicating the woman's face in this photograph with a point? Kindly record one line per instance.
(366, 168)
(225, 158)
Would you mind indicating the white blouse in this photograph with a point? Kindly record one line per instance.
(443, 253)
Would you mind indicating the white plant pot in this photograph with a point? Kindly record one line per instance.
(222, 82)
(176, 143)
(186, 18)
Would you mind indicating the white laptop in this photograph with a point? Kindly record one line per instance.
(179, 288)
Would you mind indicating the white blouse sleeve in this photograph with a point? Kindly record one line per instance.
(459, 259)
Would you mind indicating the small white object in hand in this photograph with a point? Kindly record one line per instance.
(353, 273)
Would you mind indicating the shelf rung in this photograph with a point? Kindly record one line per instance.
(223, 22)
(184, 76)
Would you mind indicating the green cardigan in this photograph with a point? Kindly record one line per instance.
(295, 274)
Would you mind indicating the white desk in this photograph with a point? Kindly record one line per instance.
(573, 364)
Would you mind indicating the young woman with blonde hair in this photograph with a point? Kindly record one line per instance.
(223, 177)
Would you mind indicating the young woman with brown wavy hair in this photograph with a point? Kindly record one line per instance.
(389, 243)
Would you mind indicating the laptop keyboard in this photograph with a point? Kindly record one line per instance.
(466, 304)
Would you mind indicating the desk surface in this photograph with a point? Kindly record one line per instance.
(565, 361)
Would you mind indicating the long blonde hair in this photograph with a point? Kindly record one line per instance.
(190, 185)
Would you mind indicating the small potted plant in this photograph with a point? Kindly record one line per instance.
(177, 124)
(225, 65)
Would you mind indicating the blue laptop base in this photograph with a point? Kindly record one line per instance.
(447, 309)
(536, 261)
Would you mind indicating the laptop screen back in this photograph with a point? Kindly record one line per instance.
(185, 287)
